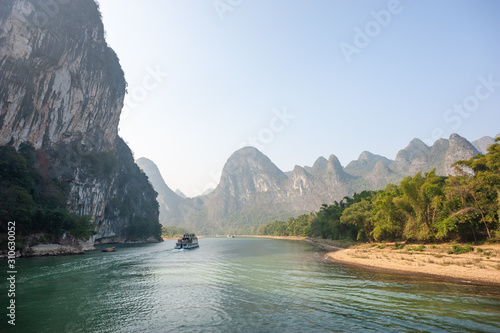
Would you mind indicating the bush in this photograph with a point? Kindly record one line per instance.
(398, 246)
(419, 248)
(457, 249)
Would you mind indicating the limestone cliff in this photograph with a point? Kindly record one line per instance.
(62, 89)
(59, 79)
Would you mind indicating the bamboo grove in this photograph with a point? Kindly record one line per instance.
(422, 208)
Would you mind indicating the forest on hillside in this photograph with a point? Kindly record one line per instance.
(422, 208)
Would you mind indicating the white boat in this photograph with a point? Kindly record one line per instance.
(188, 241)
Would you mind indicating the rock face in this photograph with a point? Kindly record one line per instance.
(252, 190)
(50, 250)
(65, 244)
(59, 80)
(62, 89)
(248, 178)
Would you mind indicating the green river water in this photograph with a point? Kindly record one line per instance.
(236, 285)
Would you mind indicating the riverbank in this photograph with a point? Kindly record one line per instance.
(481, 265)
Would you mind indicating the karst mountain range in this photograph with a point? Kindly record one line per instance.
(253, 190)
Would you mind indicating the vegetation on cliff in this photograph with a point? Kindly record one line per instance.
(35, 186)
(423, 208)
(33, 199)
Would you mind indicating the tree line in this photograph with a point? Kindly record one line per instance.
(173, 231)
(422, 208)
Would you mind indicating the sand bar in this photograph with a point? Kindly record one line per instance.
(480, 266)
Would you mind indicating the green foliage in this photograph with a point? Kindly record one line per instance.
(80, 226)
(34, 200)
(457, 249)
(360, 214)
(326, 223)
(398, 246)
(423, 208)
(298, 226)
(419, 248)
(171, 231)
(420, 202)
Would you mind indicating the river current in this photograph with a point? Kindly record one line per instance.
(238, 285)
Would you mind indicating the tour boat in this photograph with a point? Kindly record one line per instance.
(188, 241)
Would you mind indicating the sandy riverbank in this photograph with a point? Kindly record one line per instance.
(481, 265)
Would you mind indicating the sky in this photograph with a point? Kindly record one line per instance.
(300, 79)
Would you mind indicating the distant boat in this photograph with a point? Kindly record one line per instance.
(188, 241)
(230, 236)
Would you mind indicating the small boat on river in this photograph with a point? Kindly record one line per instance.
(188, 241)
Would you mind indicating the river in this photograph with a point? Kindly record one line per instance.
(238, 285)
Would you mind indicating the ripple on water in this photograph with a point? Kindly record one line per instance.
(240, 285)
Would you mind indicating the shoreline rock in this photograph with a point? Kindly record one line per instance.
(40, 245)
(109, 249)
(121, 240)
(42, 250)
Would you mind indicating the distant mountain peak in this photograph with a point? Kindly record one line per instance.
(482, 144)
(454, 137)
(251, 170)
(417, 144)
(319, 166)
(180, 193)
(299, 170)
(334, 164)
(405, 156)
(457, 140)
(365, 164)
(247, 151)
(251, 159)
(366, 155)
(460, 149)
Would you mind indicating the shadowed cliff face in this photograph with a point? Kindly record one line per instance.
(59, 80)
(62, 89)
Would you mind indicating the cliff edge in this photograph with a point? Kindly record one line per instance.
(62, 90)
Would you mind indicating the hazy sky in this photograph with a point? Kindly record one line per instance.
(299, 79)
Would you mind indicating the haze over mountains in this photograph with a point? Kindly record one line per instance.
(253, 190)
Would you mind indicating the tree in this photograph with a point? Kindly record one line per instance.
(360, 214)
(421, 202)
(388, 220)
(478, 188)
